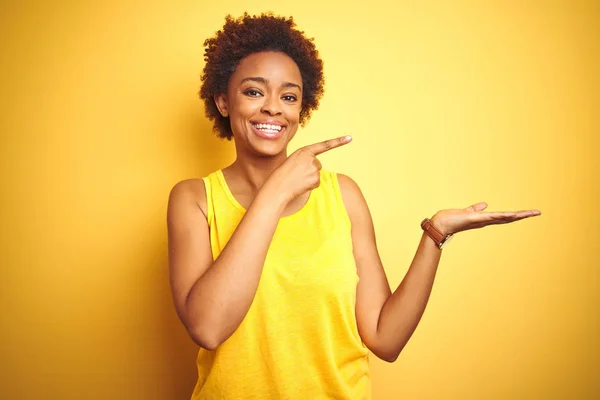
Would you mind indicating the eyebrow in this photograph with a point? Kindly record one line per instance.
(266, 82)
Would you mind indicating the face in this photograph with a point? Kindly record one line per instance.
(263, 103)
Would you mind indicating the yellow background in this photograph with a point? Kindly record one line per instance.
(449, 103)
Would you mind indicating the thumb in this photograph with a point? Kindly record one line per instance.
(477, 207)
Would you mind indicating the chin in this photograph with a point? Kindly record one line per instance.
(269, 149)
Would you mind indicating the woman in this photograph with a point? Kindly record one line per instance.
(274, 268)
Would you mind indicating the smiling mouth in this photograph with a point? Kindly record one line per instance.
(268, 128)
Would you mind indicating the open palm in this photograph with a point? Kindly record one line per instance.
(473, 217)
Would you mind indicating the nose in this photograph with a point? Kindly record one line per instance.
(271, 106)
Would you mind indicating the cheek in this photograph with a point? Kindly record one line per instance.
(246, 107)
(293, 114)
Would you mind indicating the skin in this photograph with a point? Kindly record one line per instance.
(213, 297)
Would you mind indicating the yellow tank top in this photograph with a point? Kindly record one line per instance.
(299, 339)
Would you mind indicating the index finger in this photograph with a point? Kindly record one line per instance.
(327, 145)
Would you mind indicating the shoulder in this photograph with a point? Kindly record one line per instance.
(348, 186)
(186, 193)
(352, 196)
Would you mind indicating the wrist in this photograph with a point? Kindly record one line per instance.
(439, 237)
(271, 198)
(439, 225)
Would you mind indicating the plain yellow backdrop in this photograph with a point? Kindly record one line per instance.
(449, 103)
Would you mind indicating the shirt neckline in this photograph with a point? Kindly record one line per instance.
(241, 208)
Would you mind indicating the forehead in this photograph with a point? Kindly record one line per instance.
(275, 67)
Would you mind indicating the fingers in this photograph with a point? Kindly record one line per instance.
(322, 147)
(501, 218)
(530, 213)
(514, 214)
(494, 218)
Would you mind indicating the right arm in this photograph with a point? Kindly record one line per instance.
(213, 297)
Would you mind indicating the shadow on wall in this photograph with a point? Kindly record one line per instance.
(174, 351)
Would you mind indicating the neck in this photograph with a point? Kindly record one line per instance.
(254, 171)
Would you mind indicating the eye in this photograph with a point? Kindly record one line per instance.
(252, 93)
(290, 98)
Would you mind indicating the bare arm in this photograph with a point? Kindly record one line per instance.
(386, 320)
(212, 298)
(403, 310)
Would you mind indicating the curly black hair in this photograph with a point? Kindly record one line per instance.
(253, 34)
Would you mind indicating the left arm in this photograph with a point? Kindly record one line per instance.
(387, 320)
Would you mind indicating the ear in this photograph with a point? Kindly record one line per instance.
(221, 102)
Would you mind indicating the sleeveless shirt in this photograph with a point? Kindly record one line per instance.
(299, 339)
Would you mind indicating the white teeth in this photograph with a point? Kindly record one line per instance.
(268, 127)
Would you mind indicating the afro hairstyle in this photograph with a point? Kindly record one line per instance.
(254, 34)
